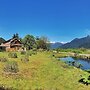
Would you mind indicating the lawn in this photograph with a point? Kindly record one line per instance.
(42, 72)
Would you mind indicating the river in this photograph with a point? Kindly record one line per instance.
(85, 63)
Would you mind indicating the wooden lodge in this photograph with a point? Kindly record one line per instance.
(12, 45)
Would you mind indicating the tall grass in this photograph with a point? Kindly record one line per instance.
(41, 72)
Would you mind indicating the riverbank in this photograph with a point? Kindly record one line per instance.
(75, 55)
(81, 56)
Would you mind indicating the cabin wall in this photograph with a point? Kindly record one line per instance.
(12, 45)
(2, 48)
(13, 49)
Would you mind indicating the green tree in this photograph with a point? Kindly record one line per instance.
(16, 36)
(29, 42)
(42, 43)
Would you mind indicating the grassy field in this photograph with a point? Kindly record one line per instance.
(42, 72)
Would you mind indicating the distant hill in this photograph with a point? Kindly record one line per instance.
(85, 45)
(2, 40)
(55, 45)
(78, 43)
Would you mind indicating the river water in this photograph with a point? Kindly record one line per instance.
(85, 63)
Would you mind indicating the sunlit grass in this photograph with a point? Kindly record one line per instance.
(42, 72)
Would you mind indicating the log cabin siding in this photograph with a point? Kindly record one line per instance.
(12, 45)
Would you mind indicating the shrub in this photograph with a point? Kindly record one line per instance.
(23, 52)
(12, 55)
(75, 55)
(28, 53)
(25, 59)
(34, 52)
(3, 59)
(85, 80)
(11, 66)
(2, 87)
(34, 49)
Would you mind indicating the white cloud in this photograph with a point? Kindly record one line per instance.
(57, 41)
(52, 41)
(63, 42)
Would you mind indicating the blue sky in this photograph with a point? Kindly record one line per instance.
(59, 20)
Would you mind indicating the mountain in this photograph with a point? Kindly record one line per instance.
(56, 45)
(78, 43)
(2, 40)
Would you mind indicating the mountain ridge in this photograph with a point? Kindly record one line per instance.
(55, 45)
(78, 43)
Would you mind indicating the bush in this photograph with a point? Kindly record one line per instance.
(31, 52)
(25, 59)
(3, 59)
(28, 53)
(34, 52)
(34, 49)
(11, 66)
(23, 52)
(53, 55)
(85, 80)
(12, 55)
(2, 87)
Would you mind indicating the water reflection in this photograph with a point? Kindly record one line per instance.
(85, 63)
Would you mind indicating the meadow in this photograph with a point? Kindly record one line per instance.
(41, 72)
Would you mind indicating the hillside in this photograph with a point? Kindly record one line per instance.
(55, 45)
(78, 43)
